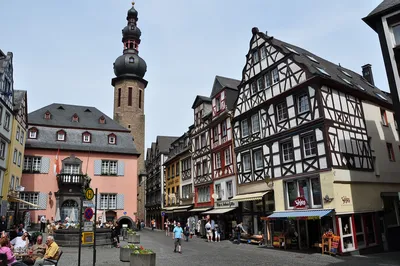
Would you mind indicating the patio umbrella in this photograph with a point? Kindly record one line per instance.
(72, 216)
(58, 217)
(103, 217)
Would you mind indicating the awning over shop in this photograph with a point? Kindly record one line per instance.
(13, 199)
(200, 209)
(219, 211)
(182, 208)
(303, 214)
(249, 197)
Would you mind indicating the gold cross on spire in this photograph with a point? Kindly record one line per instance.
(133, 3)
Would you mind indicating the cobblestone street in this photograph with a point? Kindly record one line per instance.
(199, 252)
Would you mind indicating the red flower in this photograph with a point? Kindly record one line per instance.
(141, 247)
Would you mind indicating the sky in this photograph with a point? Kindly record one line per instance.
(64, 50)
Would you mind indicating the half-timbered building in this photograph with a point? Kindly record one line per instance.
(201, 154)
(155, 182)
(223, 96)
(303, 131)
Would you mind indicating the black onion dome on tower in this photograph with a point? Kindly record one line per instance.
(130, 64)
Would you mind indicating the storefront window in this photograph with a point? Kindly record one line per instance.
(316, 191)
(390, 213)
(370, 229)
(346, 233)
(304, 190)
(292, 192)
(358, 221)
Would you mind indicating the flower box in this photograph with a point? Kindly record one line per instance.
(133, 238)
(125, 253)
(143, 259)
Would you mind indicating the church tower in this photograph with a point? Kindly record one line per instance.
(129, 85)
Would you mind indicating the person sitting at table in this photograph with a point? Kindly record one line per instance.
(36, 252)
(4, 249)
(51, 252)
(20, 242)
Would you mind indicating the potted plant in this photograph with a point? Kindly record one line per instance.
(143, 257)
(133, 237)
(126, 251)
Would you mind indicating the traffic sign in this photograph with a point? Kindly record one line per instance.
(89, 194)
(88, 203)
(88, 213)
(162, 213)
(125, 213)
(88, 226)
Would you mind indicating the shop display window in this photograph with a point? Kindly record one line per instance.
(309, 188)
(358, 221)
(346, 233)
(391, 211)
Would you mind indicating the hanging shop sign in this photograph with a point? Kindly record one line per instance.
(225, 204)
(300, 203)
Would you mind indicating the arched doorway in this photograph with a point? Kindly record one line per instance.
(126, 220)
(66, 210)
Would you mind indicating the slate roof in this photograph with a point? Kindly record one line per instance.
(18, 97)
(88, 121)
(383, 8)
(61, 116)
(46, 139)
(223, 82)
(335, 71)
(178, 150)
(164, 142)
(200, 99)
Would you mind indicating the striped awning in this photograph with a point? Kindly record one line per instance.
(249, 197)
(300, 214)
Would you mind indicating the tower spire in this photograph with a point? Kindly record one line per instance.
(130, 64)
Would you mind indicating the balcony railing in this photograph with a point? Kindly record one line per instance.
(70, 179)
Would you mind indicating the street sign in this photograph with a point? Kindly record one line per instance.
(88, 213)
(88, 203)
(125, 213)
(162, 213)
(89, 194)
(87, 237)
(88, 226)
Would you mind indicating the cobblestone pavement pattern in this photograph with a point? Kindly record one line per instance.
(199, 252)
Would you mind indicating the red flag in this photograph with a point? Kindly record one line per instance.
(57, 163)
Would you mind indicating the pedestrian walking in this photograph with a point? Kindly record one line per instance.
(177, 236)
(209, 232)
(3, 224)
(167, 225)
(239, 229)
(42, 224)
(217, 232)
(186, 232)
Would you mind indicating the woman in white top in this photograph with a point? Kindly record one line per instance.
(167, 225)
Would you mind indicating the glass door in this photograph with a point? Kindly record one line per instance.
(346, 233)
(303, 234)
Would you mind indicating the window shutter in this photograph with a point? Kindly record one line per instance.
(97, 167)
(45, 165)
(120, 201)
(121, 168)
(42, 200)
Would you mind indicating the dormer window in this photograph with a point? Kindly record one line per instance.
(33, 132)
(47, 115)
(112, 139)
(75, 118)
(102, 120)
(86, 137)
(61, 135)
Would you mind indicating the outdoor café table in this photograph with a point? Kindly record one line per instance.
(20, 256)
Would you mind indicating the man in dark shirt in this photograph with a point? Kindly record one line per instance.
(3, 224)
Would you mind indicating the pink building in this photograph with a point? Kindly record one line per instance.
(88, 144)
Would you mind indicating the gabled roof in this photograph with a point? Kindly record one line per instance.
(199, 100)
(164, 142)
(61, 116)
(335, 72)
(382, 9)
(222, 82)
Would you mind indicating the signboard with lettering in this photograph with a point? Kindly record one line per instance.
(88, 204)
(89, 194)
(300, 203)
(225, 204)
(87, 237)
(88, 226)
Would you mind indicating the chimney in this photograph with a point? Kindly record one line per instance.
(367, 73)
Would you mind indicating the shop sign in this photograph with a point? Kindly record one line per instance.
(346, 200)
(300, 203)
(225, 204)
